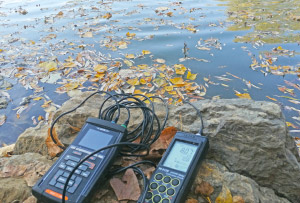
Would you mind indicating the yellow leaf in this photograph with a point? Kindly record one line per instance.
(107, 16)
(244, 96)
(160, 60)
(146, 52)
(191, 76)
(162, 75)
(159, 81)
(280, 48)
(128, 34)
(139, 92)
(37, 98)
(52, 69)
(143, 81)
(49, 65)
(205, 79)
(224, 196)
(94, 79)
(191, 28)
(40, 118)
(130, 56)
(134, 81)
(100, 68)
(128, 63)
(180, 69)
(100, 75)
(172, 92)
(32, 42)
(87, 35)
(289, 124)
(191, 88)
(1, 50)
(271, 98)
(177, 81)
(170, 14)
(168, 88)
(69, 65)
(162, 67)
(143, 66)
(46, 103)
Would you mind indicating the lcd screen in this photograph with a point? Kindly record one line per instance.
(95, 139)
(180, 156)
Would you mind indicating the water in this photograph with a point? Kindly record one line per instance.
(24, 26)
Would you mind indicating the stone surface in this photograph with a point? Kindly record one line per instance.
(18, 173)
(4, 84)
(7, 149)
(249, 138)
(218, 176)
(32, 140)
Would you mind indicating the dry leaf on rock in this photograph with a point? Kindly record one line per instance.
(148, 172)
(224, 196)
(127, 188)
(238, 199)
(191, 200)
(53, 149)
(204, 188)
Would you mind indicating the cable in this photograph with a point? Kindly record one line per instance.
(200, 132)
(61, 115)
(93, 153)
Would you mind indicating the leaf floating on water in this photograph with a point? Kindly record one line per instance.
(271, 98)
(134, 81)
(191, 76)
(87, 35)
(180, 69)
(160, 60)
(130, 56)
(2, 119)
(244, 96)
(177, 81)
(130, 35)
(100, 68)
(144, 52)
(289, 124)
(107, 16)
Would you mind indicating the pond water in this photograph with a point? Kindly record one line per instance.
(237, 48)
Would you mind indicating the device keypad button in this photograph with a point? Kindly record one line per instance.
(77, 171)
(158, 176)
(72, 158)
(77, 153)
(71, 163)
(59, 185)
(162, 188)
(93, 158)
(85, 174)
(62, 165)
(66, 174)
(149, 195)
(170, 191)
(167, 179)
(82, 167)
(165, 201)
(156, 198)
(69, 168)
(175, 182)
(89, 164)
(153, 186)
(62, 180)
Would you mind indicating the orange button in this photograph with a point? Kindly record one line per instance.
(55, 194)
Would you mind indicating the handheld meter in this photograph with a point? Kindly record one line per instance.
(95, 134)
(172, 178)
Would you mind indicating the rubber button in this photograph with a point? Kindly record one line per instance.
(170, 191)
(156, 199)
(158, 176)
(165, 201)
(167, 179)
(153, 186)
(149, 195)
(175, 182)
(162, 188)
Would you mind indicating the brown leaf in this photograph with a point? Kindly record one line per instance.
(238, 199)
(127, 188)
(168, 133)
(204, 188)
(191, 200)
(148, 172)
(53, 149)
(224, 196)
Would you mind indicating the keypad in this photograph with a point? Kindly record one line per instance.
(67, 165)
(162, 188)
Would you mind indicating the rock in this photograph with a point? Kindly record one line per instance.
(249, 138)
(4, 84)
(4, 151)
(32, 140)
(17, 174)
(218, 176)
(3, 103)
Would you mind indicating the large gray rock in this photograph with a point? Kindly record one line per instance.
(218, 176)
(3, 102)
(247, 137)
(19, 173)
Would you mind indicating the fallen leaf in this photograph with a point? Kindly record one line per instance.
(168, 133)
(244, 96)
(191, 76)
(37, 98)
(107, 16)
(130, 35)
(224, 196)
(127, 188)
(100, 68)
(180, 69)
(144, 52)
(289, 124)
(177, 81)
(160, 60)
(170, 14)
(134, 81)
(130, 56)
(87, 35)
(204, 188)
(271, 98)
(53, 149)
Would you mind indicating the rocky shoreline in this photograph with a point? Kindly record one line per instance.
(251, 154)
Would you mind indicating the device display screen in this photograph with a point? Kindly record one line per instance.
(95, 139)
(180, 156)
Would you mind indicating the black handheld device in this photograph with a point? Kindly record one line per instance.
(173, 176)
(95, 134)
